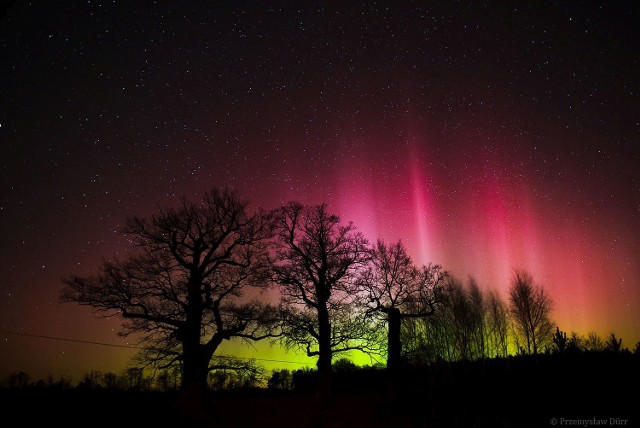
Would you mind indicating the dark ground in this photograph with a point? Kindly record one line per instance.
(514, 392)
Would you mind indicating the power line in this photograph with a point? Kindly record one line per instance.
(62, 339)
(265, 359)
(114, 345)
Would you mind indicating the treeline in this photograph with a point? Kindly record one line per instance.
(131, 379)
(520, 390)
(470, 323)
(239, 374)
(254, 376)
(185, 289)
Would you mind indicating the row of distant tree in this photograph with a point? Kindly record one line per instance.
(470, 323)
(249, 374)
(132, 378)
(190, 282)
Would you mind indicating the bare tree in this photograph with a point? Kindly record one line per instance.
(315, 264)
(594, 343)
(575, 343)
(560, 340)
(17, 380)
(398, 289)
(468, 323)
(614, 344)
(530, 308)
(92, 379)
(497, 326)
(461, 319)
(182, 290)
(477, 319)
(133, 379)
(280, 379)
(235, 373)
(168, 379)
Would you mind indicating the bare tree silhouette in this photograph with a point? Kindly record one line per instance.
(182, 290)
(463, 319)
(17, 380)
(468, 323)
(168, 379)
(575, 343)
(614, 344)
(395, 287)
(560, 340)
(530, 308)
(497, 326)
(315, 265)
(594, 342)
(280, 379)
(477, 319)
(234, 373)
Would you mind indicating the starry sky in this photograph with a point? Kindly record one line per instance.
(488, 137)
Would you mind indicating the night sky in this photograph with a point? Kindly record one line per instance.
(487, 137)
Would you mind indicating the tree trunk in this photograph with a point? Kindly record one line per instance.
(194, 382)
(325, 352)
(394, 345)
(394, 354)
(195, 359)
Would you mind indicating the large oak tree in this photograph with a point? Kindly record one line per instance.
(397, 289)
(182, 289)
(315, 265)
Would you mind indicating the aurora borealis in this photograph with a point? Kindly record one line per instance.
(488, 138)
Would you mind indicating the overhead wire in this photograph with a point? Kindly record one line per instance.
(115, 345)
